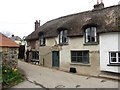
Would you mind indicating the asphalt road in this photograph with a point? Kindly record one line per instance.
(41, 77)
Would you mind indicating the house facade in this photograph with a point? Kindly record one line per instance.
(87, 41)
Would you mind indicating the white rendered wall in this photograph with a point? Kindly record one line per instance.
(108, 42)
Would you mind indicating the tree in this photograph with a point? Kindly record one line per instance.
(7, 33)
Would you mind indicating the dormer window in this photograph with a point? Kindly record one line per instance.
(63, 39)
(90, 35)
(42, 40)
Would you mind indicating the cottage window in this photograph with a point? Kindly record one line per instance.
(114, 57)
(63, 39)
(42, 40)
(90, 35)
(80, 57)
(35, 55)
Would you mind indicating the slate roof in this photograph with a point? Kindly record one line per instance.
(104, 19)
(7, 42)
(14, 38)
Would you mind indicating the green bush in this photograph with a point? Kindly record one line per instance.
(10, 76)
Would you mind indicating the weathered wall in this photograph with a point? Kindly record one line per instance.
(50, 41)
(37, 45)
(77, 44)
(108, 42)
(45, 56)
(31, 44)
(10, 56)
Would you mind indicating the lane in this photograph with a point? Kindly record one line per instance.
(51, 78)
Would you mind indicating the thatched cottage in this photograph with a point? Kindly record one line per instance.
(8, 51)
(87, 41)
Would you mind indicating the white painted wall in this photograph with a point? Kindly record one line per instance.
(108, 42)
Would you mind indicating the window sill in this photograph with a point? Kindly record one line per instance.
(80, 64)
(35, 59)
(113, 64)
(61, 44)
(91, 43)
(43, 45)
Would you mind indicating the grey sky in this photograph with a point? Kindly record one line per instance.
(18, 16)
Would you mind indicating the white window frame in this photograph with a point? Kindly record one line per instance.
(90, 31)
(42, 40)
(62, 36)
(116, 57)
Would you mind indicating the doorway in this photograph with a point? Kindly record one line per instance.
(55, 58)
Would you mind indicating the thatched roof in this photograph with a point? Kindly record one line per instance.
(104, 19)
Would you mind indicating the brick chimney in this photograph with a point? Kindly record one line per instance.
(98, 5)
(37, 24)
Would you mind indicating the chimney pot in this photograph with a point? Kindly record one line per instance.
(12, 35)
(37, 24)
(99, 6)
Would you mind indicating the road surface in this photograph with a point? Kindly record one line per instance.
(41, 77)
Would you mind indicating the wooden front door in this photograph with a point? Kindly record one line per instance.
(55, 58)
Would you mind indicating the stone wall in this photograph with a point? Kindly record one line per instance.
(10, 57)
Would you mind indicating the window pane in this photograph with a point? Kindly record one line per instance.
(42, 39)
(85, 54)
(85, 60)
(64, 39)
(65, 36)
(88, 31)
(60, 37)
(65, 33)
(113, 60)
(88, 38)
(73, 53)
(113, 54)
(92, 39)
(32, 55)
(92, 33)
(119, 54)
(118, 59)
(79, 53)
(79, 59)
(73, 59)
(87, 35)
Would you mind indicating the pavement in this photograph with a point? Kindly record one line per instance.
(27, 84)
(42, 77)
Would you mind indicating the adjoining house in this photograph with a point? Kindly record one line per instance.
(22, 45)
(8, 51)
(16, 39)
(87, 41)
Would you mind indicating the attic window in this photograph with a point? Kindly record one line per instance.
(42, 39)
(90, 35)
(63, 39)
